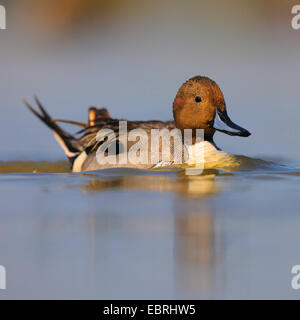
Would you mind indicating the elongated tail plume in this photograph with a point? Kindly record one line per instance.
(70, 144)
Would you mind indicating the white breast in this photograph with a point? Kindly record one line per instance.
(206, 154)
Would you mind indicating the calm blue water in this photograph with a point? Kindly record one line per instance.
(128, 234)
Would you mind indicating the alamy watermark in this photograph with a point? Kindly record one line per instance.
(2, 17)
(295, 283)
(2, 278)
(296, 18)
(154, 147)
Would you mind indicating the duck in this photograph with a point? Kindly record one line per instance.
(198, 105)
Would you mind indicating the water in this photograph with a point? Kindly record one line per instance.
(131, 234)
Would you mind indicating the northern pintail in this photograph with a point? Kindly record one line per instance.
(199, 104)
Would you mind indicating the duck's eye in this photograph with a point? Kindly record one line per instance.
(198, 99)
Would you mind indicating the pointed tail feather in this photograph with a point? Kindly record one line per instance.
(76, 123)
(71, 145)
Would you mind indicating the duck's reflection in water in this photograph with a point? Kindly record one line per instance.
(178, 183)
(198, 254)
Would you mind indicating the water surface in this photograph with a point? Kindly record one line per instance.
(131, 234)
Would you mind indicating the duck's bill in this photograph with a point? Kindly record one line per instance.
(224, 124)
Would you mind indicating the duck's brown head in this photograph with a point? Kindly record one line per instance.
(200, 104)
